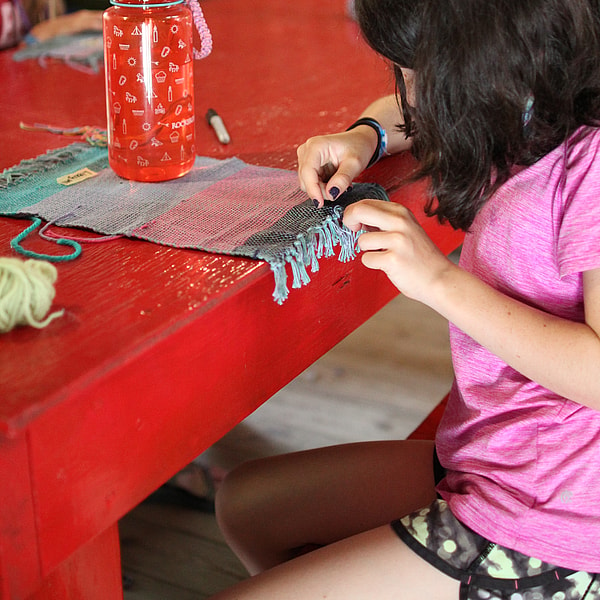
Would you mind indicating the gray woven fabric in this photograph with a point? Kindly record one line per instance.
(113, 206)
(224, 206)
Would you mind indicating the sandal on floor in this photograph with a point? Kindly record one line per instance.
(193, 487)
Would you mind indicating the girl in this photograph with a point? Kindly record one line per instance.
(499, 101)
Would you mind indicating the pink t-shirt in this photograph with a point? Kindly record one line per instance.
(523, 462)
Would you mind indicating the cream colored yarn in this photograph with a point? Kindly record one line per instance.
(26, 293)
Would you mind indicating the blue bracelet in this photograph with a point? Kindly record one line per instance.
(381, 148)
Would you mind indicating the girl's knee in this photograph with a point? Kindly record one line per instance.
(246, 509)
(240, 496)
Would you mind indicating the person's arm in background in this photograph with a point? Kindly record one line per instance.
(37, 23)
(76, 22)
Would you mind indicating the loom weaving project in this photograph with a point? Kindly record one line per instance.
(222, 206)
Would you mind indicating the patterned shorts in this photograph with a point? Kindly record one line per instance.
(488, 571)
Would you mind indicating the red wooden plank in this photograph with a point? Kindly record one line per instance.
(92, 573)
(20, 569)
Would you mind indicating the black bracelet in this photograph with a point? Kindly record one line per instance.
(381, 148)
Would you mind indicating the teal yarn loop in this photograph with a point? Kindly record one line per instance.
(15, 244)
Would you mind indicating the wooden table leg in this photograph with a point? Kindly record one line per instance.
(92, 573)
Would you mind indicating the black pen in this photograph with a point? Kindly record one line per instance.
(215, 121)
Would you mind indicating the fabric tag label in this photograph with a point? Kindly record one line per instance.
(76, 177)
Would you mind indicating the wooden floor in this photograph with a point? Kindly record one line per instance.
(379, 383)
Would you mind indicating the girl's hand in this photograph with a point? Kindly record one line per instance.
(396, 244)
(327, 165)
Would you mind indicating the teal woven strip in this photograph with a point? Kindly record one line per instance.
(41, 174)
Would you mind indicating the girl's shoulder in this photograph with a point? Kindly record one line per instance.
(572, 166)
(567, 165)
(578, 208)
(581, 163)
(585, 142)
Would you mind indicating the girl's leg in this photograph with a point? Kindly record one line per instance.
(374, 564)
(273, 509)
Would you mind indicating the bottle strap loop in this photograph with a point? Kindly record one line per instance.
(202, 28)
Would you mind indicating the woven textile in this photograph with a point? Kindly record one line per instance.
(223, 206)
(82, 51)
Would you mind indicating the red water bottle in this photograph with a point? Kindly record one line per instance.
(148, 55)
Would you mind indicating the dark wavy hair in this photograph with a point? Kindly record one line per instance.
(498, 83)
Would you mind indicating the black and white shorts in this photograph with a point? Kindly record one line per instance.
(488, 571)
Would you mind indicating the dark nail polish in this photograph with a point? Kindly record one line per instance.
(316, 203)
(334, 192)
(349, 188)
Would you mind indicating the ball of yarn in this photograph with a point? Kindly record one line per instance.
(26, 293)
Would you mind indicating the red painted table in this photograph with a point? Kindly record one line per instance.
(162, 351)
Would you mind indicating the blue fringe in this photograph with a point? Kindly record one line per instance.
(319, 242)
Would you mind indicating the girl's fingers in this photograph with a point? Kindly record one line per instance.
(327, 165)
(374, 241)
(376, 260)
(311, 184)
(340, 181)
(377, 215)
